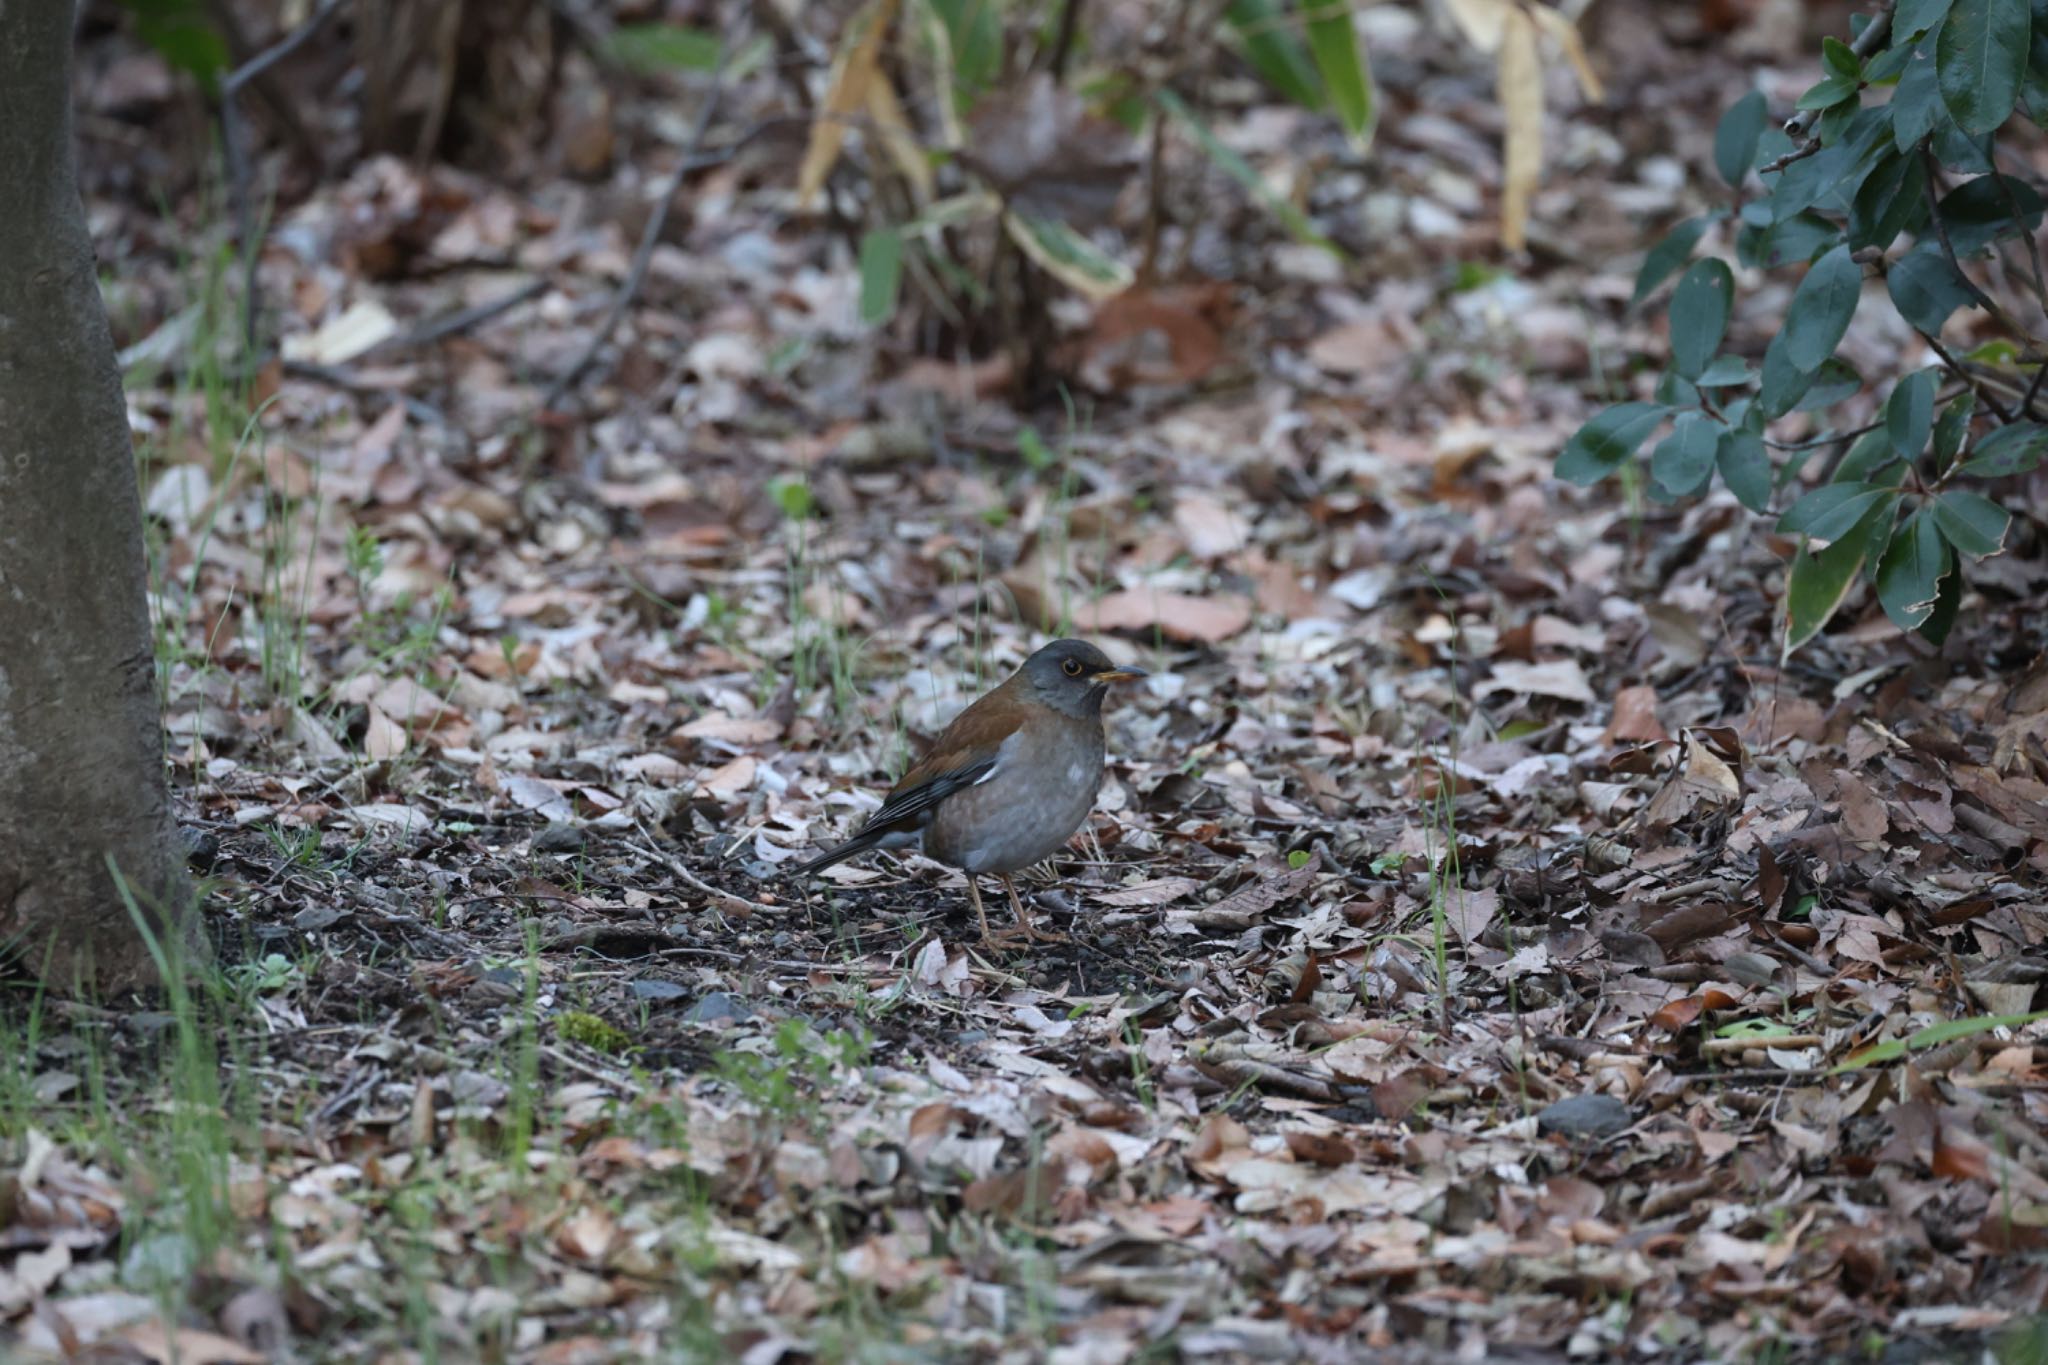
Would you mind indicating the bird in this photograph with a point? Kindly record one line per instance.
(1007, 783)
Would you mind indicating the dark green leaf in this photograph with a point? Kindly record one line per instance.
(1341, 61)
(1829, 511)
(1684, 461)
(1834, 122)
(1914, 17)
(1796, 239)
(1783, 384)
(881, 271)
(1887, 66)
(1726, 372)
(1979, 58)
(1840, 59)
(1958, 151)
(1891, 201)
(1613, 435)
(1909, 413)
(1974, 524)
(1828, 92)
(1834, 381)
(1699, 314)
(1746, 469)
(1821, 308)
(1978, 212)
(1267, 31)
(1669, 256)
(1909, 571)
(1735, 137)
(1829, 179)
(1916, 105)
(1819, 580)
(1674, 391)
(1952, 428)
(1871, 456)
(1925, 288)
(974, 31)
(2008, 451)
(1948, 600)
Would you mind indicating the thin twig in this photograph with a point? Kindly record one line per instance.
(338, 378)
(235, 153)
(649, 237)
(1800, 126)
(448, 324)
(691, 879)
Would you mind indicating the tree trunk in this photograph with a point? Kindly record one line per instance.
(81, 747)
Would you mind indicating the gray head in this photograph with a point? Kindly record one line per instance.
(1073, 676)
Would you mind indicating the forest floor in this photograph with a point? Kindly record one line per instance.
(1485, 945)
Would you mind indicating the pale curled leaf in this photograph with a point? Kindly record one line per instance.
(1567, 35)
(898, 139)
(1068, 256)
(1521, 102)
(1483, 22)
(853, 72)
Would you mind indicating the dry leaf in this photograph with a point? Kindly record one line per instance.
(1197, 620)
(853, 72)
(1158, 891)
(383, 737)
(1521, 102)
(1210, 529)
(1561, 678)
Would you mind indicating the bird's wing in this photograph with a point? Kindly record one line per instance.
(966, 752)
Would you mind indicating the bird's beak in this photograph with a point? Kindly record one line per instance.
(1116, 675)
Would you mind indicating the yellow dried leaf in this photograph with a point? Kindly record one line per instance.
(1521, 102)
(897, 138)
(1567, 35)
(853, 72)
(1483, 22)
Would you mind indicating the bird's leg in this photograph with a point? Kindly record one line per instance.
(1024, 920)
(974, 894)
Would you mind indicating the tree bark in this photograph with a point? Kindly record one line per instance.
(81, 746)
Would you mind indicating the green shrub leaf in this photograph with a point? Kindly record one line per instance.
(1820, 580)
(1914, 17)
(1978, 212)
(1746, 469)
(1909, 572)
(1951, 430)
(1597, 448)
(1821, 308)
(1726, 372)
(1699, 315)
(1892, 200)
(1669, 256)
(1909, 414)
(1830, 511)
(1926, 288)
(1684, 461)
(1916, 105)
(1736, 135)
(2015, 449)
(1971, 522)
(1980, 58)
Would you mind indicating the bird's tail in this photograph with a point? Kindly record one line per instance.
(838, 853)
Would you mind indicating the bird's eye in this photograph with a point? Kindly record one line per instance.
(1072, 668)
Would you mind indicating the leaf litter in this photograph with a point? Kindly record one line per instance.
(1484, 943)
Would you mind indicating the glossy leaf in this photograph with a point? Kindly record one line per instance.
(1909, 572)
(1868, 459)
(1971, 522)
(1916, 105)
(1926, 289)
(1952, 429)
(1614, 434)
(2009, 450)
(1892, 200)
(1909, 413)
(1828, 92)
(1782, 383)
(1699, 315)
(1669, 256)
(1745, 468)
(1735, 137)
(1914, 17)
(1980, 56)
(1820, 580)
(1835, 381)
(1978, 212)
(1725, 372)
(1821, 309)
(1948, 602)
(1830, 511)
(1684, 461)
